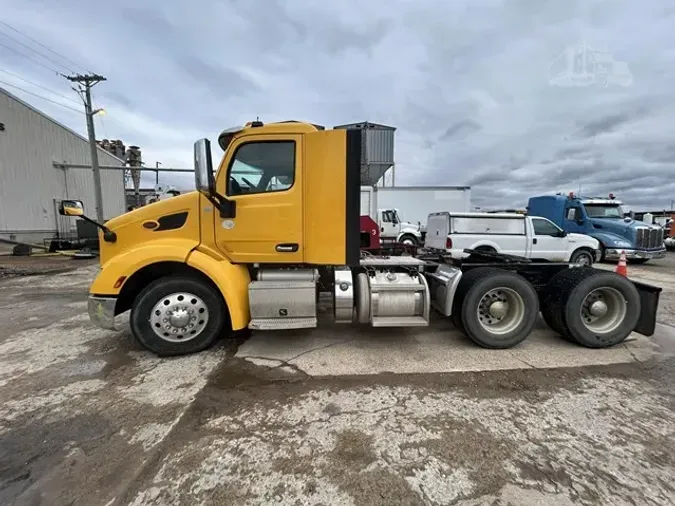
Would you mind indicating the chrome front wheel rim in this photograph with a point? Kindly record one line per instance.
(179, 317)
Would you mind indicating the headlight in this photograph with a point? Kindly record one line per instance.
(622, 244)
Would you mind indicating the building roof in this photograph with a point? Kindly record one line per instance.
(59, 124)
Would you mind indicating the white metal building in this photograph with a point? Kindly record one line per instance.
(30, 185)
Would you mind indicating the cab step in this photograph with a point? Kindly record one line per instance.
(282, 323)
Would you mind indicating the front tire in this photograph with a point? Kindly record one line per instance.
(178, 316)
(409, 240)
(582, 257)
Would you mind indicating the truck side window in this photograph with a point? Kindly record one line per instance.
(544, 227)
(386, 217)
(571, 213)
(261, 167)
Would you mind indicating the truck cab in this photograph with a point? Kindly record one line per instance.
(393, 228)
(603, 219)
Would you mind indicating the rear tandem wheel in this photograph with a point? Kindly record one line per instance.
(495, 308)
(593, 308)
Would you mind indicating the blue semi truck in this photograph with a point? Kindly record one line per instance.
(602, 219)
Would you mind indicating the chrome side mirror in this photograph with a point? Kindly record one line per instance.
(204, 180)
(71, 208)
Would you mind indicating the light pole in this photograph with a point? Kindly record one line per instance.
(86, 82)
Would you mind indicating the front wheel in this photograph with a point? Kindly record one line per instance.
(178, 316)
(582, 257)
(408, 240)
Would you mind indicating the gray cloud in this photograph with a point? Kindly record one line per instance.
(467, 84)
(217, 79)
(460, 129)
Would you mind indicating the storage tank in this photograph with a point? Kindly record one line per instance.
(377, 150)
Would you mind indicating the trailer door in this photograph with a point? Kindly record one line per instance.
(367, 202)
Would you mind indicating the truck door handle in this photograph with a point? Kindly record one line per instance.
(534, 241)
(287, 247)
(382, 229)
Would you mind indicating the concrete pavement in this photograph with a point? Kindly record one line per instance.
(325, 417)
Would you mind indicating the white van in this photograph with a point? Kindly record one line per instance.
(510, 233)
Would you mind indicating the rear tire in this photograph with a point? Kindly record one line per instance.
(622, 302)
(178, 316)
(498, 308)
(596, 309)
(551, 301)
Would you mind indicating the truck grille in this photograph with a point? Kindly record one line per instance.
(649, 239)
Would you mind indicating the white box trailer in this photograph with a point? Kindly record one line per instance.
(416, 203)
(401, 211)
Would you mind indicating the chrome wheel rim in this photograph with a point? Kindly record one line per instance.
(583, 260)
(179, 317)
(408, 242)
(603, 310)
(501, 311)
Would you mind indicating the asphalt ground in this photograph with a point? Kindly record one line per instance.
(337, 415)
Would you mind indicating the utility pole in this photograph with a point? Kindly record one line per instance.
(157, 164)
(86, 82)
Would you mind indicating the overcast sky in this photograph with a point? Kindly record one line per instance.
(480, 91)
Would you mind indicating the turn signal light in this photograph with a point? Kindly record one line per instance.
(448, 243)
(119, 281)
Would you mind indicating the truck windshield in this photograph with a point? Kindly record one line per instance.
(603, 211)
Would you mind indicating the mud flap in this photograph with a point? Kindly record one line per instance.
(649, 302)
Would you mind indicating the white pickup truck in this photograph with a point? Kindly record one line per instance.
(510, 233)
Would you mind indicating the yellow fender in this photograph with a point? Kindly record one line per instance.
(129, 262)
(232, 281)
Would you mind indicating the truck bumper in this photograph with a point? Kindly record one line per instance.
(102, 311)
(632, 254)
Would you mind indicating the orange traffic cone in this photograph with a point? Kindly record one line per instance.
(621, 266)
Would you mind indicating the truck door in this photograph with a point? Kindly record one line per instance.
(389, 226)
(574, 219)
(264, 177)
(547, 241)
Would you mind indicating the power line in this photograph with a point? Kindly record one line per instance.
(68, 69)
(42, 45)
(40, 96)
(31, 59)
(40, 86)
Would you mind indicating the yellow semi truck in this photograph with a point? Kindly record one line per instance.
(279, 221)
